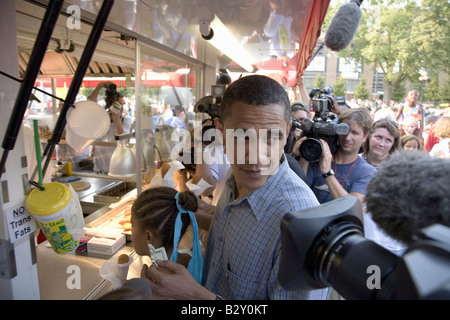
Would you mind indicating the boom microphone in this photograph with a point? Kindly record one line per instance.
(343, 26)
(409, 191)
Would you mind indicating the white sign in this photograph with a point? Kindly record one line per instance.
(20, 223)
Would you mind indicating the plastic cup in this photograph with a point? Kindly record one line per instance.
(122, 270)
(86, 122)
(58, 212)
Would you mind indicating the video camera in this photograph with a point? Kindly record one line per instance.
(325, 246)
(322, 104)
(111, 93)
(211, 106)
(322, 127)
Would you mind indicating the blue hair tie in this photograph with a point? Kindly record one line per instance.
(195, 266)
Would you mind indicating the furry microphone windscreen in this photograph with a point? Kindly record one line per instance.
(343, 26)
(409, 191)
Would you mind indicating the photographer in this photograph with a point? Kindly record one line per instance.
(120, 124)
(299, 112)
(343, 172)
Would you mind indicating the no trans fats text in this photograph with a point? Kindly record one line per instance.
(231, 309)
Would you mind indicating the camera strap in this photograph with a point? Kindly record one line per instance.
(348, 172)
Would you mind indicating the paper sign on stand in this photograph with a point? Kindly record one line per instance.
(20, 223)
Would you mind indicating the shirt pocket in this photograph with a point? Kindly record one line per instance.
(240, 288)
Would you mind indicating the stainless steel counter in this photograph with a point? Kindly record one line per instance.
(71, 276)
(98, 184)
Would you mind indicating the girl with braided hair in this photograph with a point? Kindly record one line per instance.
(161, 216)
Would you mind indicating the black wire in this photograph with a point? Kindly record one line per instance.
(40, 90)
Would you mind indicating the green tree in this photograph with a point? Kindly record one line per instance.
(319, 82)
(444, 91)
(431, 89)
(86, 91)
(402, 37)
(398, 93)
(126, 92)
(340, 87)
(361, 91)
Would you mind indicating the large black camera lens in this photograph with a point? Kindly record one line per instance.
(311, 149)
(341, 254)
(324, 246)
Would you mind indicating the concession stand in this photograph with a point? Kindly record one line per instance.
(157, 53)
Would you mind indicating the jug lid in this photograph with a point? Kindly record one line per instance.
(54, 198)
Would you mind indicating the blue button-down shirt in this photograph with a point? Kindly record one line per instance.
(242, 258)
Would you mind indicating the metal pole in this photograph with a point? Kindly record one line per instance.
(34, 64)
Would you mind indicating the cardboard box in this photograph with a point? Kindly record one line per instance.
(104, 246)
(82, 247)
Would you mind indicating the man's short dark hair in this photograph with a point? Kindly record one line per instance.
(299, 106)
(255, 90)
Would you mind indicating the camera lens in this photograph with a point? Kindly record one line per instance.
(342, 254)
(325, 246)
(311, 149)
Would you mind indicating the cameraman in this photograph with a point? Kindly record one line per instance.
(343, 172)
(299, 112)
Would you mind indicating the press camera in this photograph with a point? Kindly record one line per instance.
(111, 93)
(211, 106)
(325, 246)
(322, 127)
(321, 102)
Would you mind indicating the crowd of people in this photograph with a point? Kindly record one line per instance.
(241, 258)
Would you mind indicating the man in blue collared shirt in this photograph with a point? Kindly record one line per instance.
(242, 257)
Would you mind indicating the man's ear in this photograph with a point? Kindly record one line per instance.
(288, 129)
(366, 136)
(219, 125)
(149, 236)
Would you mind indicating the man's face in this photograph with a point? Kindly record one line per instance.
(254, 139)
(352, 142)
(300, 115)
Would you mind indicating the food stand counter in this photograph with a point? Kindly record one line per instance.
(75, 276)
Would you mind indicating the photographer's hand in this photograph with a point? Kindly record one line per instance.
(94, 94)
(335, 108)
(296, 154)
(175, 284)
(297, 133)
(325, 159)
(334, 186)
